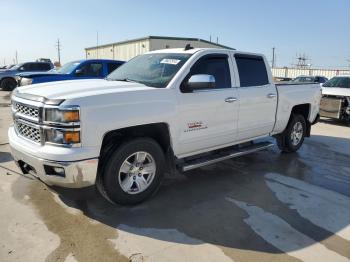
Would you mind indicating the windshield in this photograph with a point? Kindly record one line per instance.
(68, 68)
(342, 82)
(15, 67)
(155, 70)
(303, 79)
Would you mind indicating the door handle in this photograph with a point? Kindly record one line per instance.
(230, 99)
(271, 95)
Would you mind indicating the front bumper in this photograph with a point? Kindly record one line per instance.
(77, 168)
(76, 174)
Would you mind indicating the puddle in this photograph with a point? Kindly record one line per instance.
(80, 237)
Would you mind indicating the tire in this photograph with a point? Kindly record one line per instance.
(8, 84)
(128, 181)
(293, 136)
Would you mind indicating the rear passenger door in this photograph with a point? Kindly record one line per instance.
(257, 97)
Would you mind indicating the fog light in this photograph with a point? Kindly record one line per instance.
(59, 170)
(54, 171)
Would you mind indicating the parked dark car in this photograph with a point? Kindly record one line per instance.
(8, 79)
(310, 79)
(82, 69)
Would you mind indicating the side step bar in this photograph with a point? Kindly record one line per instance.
(208, 160)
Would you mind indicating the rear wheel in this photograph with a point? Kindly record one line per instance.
(8, 84)
(293, 136)
(134, 171)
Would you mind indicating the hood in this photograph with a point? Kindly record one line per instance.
(36, 74)
(335, 91)
(80, 88)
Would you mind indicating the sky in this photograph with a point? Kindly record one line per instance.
(320, 29)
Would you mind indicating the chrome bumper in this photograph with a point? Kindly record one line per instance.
(77, 174)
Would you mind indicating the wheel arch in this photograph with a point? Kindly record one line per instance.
(160, 132)
(304, 110)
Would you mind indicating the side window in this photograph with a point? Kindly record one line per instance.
(27, 67)
(39, 67)
(23, 68)
(216, 66)
(251, 70)
(44, 67)
(91, 69)
(112, 66)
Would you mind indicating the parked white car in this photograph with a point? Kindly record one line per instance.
(335, 101)
(164, 111)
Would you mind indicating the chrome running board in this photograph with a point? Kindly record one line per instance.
(228, 154)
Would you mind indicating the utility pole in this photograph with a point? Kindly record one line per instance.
(58, 46)
(16, 57)
(273, 57)
(97, 45)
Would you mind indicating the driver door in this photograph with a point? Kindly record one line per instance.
(208, 116)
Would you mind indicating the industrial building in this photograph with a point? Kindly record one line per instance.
(126, 50)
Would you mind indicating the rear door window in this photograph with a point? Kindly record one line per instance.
(252, 70)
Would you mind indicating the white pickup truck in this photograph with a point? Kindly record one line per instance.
(164, 111)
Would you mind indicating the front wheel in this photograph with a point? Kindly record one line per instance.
(293, 136)
(134, 171)
(8, 84)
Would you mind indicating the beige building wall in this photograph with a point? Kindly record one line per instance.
(157, 44)
(127, 50)
(123, 51)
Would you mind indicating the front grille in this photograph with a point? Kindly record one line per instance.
(27, 111)
(27, 131)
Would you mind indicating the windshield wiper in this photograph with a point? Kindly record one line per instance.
(126, 80)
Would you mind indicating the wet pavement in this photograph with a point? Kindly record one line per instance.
(266, 206)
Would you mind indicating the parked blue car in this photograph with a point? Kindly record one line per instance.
(82, 69)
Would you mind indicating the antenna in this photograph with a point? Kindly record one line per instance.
(301, 61)
(58, 46)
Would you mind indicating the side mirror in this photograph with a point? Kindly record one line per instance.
(78, 72)
(200, 82)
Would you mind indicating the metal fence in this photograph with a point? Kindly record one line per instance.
(294, 72)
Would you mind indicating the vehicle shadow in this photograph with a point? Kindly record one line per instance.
(196, 204)
(336, 122)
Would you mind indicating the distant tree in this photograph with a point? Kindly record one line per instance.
(57, 64)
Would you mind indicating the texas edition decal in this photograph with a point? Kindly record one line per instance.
(195, 126)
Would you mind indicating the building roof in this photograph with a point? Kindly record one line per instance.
(161, 37)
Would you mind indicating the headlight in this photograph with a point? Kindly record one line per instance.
(23, 81)
(64, 137)
(64, 116)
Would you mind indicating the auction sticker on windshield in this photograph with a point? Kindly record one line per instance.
(170, 61)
